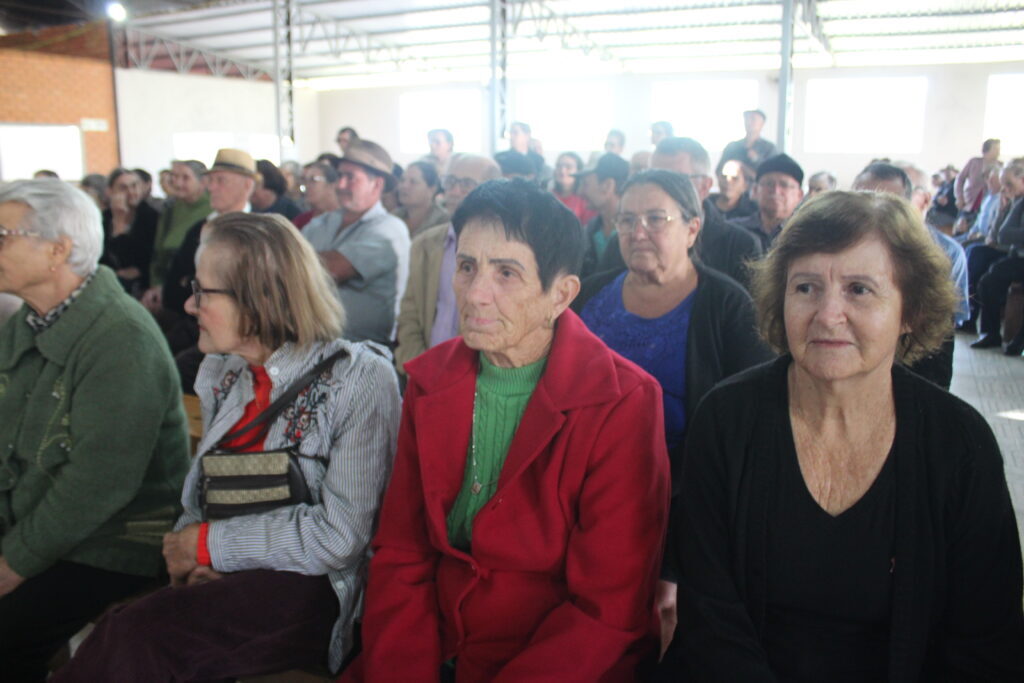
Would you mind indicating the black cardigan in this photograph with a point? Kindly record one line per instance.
(721, 340)
(956, 606)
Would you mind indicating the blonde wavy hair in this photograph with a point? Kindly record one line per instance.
(282, 291)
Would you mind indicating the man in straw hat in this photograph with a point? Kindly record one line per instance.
(363, 247)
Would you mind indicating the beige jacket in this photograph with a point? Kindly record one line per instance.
(419, 303)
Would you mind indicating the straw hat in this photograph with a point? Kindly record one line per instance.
(373, 158)
(235, 161)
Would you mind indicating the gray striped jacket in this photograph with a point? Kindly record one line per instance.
(350, 415)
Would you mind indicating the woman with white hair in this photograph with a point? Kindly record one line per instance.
(93, 444)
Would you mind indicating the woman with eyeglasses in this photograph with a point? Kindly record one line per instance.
(417, 194)
(687, 325)
(93, 442)
(299, 427)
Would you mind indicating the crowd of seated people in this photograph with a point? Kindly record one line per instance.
(486, 419)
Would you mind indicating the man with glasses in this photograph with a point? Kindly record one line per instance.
(428, 315)
(778, 191)
(317, 187)
(720, 244)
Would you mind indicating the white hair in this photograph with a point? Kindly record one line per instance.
(60, 210)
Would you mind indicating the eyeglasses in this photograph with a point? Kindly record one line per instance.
(653, 222)
(307, 181)
(198, 291)
(6, 232)
(450, 182)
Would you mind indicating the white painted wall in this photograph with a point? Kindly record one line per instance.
(953, 127)
(165, 115)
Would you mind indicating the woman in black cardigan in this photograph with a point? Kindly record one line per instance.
(840, 518)
(687, 325)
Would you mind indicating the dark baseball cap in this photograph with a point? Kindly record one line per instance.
(608, 166)
(781, 163)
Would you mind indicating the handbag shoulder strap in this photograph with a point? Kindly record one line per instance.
(270, 413)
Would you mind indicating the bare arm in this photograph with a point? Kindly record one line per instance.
(340, 268)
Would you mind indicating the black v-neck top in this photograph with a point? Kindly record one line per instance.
(829, 579)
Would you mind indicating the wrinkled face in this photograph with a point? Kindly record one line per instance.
(413, 190)
(778, 195)
(358, 191)
(229, 191)
(564, 168)
(24, 259)
(502, 307)
(645, 250)
(843, 312)
(129, 185)
(439, 145)
(217, 316)
(185, 183)
(463, 177)
(731, 180)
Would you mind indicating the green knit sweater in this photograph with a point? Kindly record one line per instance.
(498, 407)
(93, 439)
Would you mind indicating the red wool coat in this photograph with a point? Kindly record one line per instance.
(560, 582)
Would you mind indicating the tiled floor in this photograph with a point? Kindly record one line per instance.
(994, 384)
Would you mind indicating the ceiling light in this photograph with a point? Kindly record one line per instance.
(116, 11)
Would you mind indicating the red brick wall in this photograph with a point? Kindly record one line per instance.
(40, 87)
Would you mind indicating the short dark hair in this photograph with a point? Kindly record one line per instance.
(531, 216)
(675, 185)
(525, 127)
(445, 132)
(350, 130)
(832, 222)
(665, 127)
(988, 144)
(616, 133)
(330, 173)
(698, 155)
(273, 179)
(144, 175)
(882, 171)
(429, 172)
(515, 163)
(329, 158)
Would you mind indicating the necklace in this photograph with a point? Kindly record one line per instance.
(477, 485)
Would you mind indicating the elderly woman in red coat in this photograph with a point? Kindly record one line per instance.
(521, 534)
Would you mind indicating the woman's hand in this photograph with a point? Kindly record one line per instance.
(665, 601)
(9, 579)
(180, 553)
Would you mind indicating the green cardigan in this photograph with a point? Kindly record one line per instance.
(93, 439)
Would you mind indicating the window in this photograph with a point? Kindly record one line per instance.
(865, 115)
(1003, 112)
(25, 149)
(565, 115)
(457, 110)
(708, 110)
